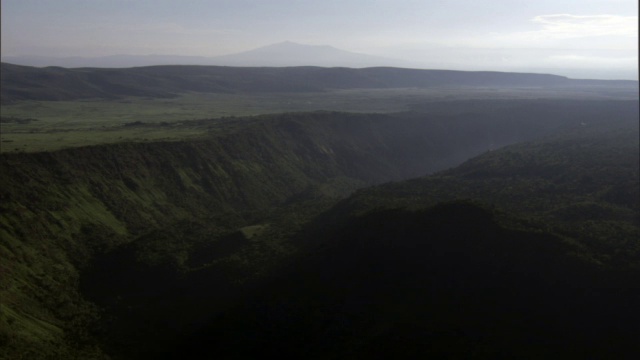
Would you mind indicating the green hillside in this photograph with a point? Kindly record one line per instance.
(447, 281)
(530, 251)
(581, 183)
(61, 209)
(141, 250)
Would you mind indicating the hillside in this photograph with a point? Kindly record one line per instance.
(120, 248)
(53, 83)
(530, 251)
(445, 281)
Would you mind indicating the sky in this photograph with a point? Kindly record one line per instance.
(576, 38)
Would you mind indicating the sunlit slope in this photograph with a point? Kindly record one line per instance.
(61, 208)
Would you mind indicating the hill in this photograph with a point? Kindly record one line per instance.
(29, 83)
(136, 249)
(577, 184)
(292, 54)
(529, 251)
(445, 281)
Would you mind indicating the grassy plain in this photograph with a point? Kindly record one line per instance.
(32, 126)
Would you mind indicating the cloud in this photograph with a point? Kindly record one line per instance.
(566, 31)
(574, 26)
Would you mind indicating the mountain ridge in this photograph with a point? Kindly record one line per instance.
(282, 54)
(288, 53)
(56, 83)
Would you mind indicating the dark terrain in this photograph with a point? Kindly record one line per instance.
(510, 229)
(56, 83)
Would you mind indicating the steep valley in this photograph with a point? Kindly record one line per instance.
(140, 250)
(529, 251)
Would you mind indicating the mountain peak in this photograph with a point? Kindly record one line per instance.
(285, 53)
(289, 53)
(296, 46)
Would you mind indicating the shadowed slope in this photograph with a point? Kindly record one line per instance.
(549, 269)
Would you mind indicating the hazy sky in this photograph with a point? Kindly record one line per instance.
(590, 35)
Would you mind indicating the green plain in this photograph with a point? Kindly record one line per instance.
(32, 126)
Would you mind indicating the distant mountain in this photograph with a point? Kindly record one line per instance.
(281, 54)
(292, 54)
(56, 83)
(112, 61)
(288, 53)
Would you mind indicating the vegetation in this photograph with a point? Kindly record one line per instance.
(521, 252)
(265, 235)
(55, 83)
(583, 183)
(445, 281)
(31, 126)
(54, 108)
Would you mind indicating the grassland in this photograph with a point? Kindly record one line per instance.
(121, 249)
(31, 126)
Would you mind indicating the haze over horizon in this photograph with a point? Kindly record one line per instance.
(579, 39)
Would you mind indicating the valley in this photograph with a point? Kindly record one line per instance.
(324, 213)
(97, 106)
